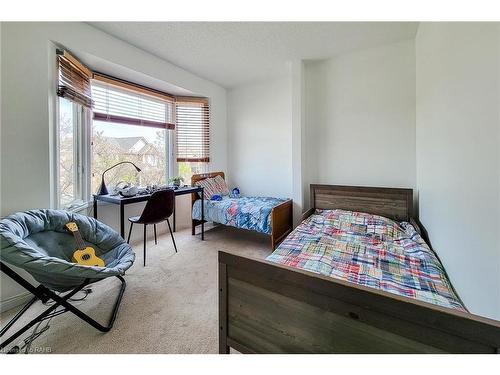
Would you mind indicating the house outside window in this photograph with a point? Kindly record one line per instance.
(145, 147)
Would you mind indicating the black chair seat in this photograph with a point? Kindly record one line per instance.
(137, 220)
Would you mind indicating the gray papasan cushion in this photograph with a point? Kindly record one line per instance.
(38, 242)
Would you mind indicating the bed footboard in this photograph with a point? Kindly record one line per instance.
(268, 308)
(281, 222)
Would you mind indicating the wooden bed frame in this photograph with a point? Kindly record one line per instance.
(281, 215)
(268, 308)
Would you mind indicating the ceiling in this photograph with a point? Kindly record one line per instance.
(234, 53)
(103, 66)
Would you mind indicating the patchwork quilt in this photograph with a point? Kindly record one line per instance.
(251, 213)
(368, 250)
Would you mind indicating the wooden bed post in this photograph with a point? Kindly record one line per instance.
(223, 347)
(281, 222)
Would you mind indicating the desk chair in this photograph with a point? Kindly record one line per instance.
(159, 207)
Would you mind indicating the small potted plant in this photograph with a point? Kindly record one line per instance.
(176, 181)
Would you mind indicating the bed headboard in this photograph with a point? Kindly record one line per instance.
(394, 203)
(198, 177)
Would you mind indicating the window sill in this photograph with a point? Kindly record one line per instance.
(77, 208)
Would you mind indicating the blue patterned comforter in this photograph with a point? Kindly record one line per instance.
(252, 213)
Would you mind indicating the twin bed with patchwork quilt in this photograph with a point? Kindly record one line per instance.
(252, 213)
(368, 250)
(356, 276)
(271, 216)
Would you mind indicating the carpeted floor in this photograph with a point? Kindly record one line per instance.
(169, 306)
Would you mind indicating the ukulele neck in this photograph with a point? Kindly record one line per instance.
(80, 243)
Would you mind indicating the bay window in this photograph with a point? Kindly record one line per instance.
(103, 120)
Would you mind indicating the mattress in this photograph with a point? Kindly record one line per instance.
(368, 250)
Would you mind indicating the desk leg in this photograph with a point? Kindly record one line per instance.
(95, 207)
(173, 213)
(202, 218)
(122, 220)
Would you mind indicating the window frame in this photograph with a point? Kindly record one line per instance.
(81, 157)
(187, 103)
(184, 101)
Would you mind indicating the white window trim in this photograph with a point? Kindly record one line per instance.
(171, 162)
(53, 129)
(82, 159)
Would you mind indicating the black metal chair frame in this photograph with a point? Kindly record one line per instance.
(145, 222)
(144, 235)
(45, 294)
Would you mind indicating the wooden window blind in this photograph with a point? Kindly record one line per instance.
(192, 129)
(74, 79)
(126, 103)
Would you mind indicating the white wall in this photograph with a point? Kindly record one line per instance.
(344, 118)
(458, 162)
(259, 138)
(360, 118)
(28, 95)
(299, 151)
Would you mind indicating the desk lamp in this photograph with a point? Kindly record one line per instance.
(103, 190)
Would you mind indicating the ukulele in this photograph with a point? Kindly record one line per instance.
(83, 255)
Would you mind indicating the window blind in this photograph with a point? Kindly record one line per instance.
(74, 79)
(125, 103)
(192, 129)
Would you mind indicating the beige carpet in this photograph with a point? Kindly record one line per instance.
(169, 306)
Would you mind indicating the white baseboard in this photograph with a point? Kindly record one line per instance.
(15, 301)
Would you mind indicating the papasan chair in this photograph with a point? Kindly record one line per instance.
(37, 242)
